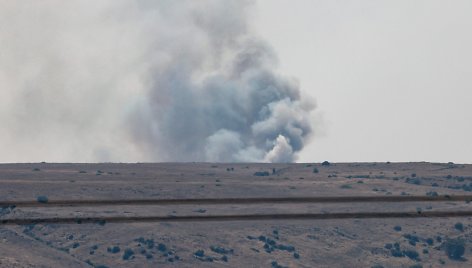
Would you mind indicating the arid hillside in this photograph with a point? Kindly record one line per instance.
(236, 215)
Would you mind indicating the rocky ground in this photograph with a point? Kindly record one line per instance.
(51, 215)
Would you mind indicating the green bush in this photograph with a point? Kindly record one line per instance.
(412, 254)
(42, 199)
(459, 226)
(128, 254)
(261, 173)
(114, 249)
(455, 248)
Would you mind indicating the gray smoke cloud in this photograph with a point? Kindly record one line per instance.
(143, 81)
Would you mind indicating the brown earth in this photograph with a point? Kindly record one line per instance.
(223, 215)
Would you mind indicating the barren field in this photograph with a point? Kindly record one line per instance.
(236, 215)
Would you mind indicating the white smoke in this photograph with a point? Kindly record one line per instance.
(143, 81)
(281, 152)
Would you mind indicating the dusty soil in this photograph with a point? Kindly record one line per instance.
(228, 215)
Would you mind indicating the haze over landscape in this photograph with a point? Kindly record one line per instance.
(147, 81)
(243, 81)
(235, 133)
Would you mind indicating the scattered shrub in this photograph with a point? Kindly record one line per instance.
(6, 209)
(397, 228)
(285, 247)
(396, 253)
(149, 243)
(325, 163)
(42, 199)
(412, 254)
(315, 170)
(114, 249)
(261, 173)
(277, 265)
(358, 177)
(430, 241)
(467, 188)
(415, 181)
(459, 226)
(455, 248)
(221, 250)
(200, 254)
(412, 239)
(161, 247)
(128, 254)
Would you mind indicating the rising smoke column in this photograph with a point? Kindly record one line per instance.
(220, 98)
(121, 80)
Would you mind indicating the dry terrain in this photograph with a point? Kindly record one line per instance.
(236, 215)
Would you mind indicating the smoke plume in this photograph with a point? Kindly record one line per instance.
(143, 81)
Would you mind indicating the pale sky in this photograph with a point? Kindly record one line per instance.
(129, 81)
(392, 79)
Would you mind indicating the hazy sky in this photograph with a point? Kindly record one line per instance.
(392, 79)
(122, 80)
